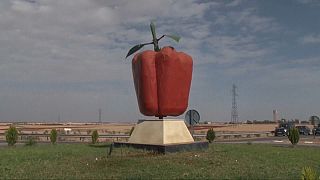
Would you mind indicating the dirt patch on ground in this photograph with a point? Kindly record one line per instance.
(81, 128)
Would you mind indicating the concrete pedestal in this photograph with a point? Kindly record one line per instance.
(169, 135)
(160, 132)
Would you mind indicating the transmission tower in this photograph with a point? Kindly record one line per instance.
(234, 110)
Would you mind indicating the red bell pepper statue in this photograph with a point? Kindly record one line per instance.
(162, 78)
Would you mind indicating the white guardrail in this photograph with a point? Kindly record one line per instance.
(77, 137)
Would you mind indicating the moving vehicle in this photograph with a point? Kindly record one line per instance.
(304, 130)
(283, 128)
(316, 130)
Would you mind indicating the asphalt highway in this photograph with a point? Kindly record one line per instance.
(281, 140)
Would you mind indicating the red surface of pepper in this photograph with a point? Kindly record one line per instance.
(162, 81)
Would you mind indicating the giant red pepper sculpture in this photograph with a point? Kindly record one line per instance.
(162, 78)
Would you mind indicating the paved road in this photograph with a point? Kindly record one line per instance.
(283, 140)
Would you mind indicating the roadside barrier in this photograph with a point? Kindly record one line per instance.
(124, 137)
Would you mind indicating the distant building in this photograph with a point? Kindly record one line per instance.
(67, 130)
(275, 116)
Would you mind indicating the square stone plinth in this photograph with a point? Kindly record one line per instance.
(161, 132)
(169, 135)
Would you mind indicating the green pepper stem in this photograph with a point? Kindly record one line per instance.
(155, 41)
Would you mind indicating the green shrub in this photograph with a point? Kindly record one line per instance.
(94, 136)
(31, 141)
(211, 135)
(293, 136)
(53, 136)
(12, 135)
(308, 173)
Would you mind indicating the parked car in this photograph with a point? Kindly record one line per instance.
(316, 130)
(304, 130)
(283, 129)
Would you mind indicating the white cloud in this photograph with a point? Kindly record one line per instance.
(63, 42)
(54, 44)
(311, 2)
(312, 62)
(76, 49)
(233, 49)
(310, 39)
(252, 22)
(234, 3)
(79, 35)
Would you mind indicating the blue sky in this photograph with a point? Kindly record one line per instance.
(66, 57)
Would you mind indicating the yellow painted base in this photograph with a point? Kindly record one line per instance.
(161, 132)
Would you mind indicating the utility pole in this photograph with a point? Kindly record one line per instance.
(234, 110)
(100, 116)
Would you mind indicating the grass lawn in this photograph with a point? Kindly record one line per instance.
(227, 161)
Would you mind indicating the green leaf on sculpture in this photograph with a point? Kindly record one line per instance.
(134, 49)
(153, 30)
(174, 37)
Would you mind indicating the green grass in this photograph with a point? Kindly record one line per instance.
(220, 161)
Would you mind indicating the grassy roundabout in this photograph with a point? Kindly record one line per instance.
(227, 161)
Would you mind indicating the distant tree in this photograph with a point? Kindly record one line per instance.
(94, 136)
(293, 136)
(12, 135)
(304, 122)
(211, 135)
(53, 136)
(314, 120)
